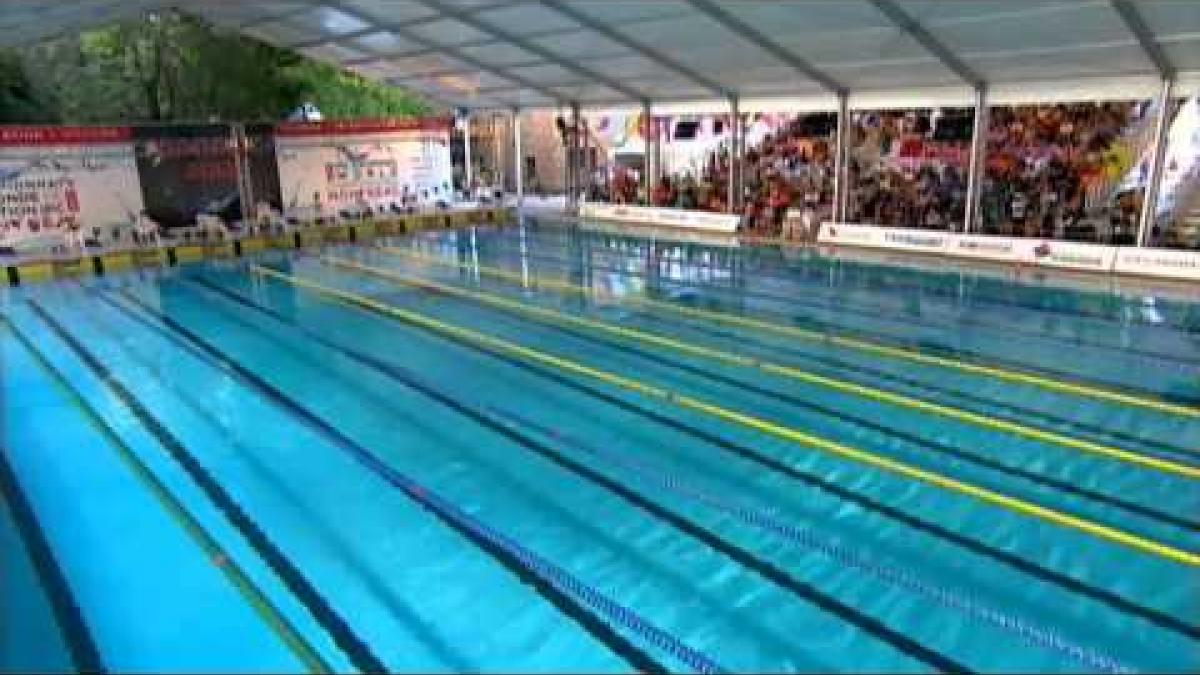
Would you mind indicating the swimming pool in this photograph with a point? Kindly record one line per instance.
(546, 447)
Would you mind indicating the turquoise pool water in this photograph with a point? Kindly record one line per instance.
(232, 467)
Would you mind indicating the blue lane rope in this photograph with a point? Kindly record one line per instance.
(1035, 635)
(555, 576)
(902, 642)
(565, 582)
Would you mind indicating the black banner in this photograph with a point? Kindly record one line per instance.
(262, 166)
(186, 171)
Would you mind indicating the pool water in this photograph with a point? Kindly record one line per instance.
(551, 447)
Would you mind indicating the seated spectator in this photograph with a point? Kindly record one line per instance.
(664, 193)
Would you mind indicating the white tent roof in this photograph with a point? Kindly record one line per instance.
(537, 53)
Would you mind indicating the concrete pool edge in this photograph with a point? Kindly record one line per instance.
(47, 268)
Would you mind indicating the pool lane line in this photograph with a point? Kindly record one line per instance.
(747, 421)
(213, 551)
(879, 630)
(68, 617)
(873, 342)
(809, 539)
(934, 447)
(339, 629)
(770, 264)
(1095, 433)
(563, 591)
(920, 443)
(1162, 447)
(712, 354)
(1012, 410)
(208, 358)
(933, 529)
(897, 577)
(870, 312)
(866, 346)
(246, 313)
(337, 541)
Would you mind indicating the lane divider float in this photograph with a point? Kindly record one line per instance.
(790, 372)
(477, 414)
(213, 551)
(890, 351)
(809, 540)
(1098, 530)
(554, 583)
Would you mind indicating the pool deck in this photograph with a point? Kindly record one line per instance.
(19, 270)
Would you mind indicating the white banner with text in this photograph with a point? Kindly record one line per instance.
(697, 220)
(329, 166)
(60, 183)
(1035, 252)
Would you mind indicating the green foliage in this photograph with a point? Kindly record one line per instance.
(172, 67)
(17, 102)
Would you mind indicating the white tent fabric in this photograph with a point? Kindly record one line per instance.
(502, 54)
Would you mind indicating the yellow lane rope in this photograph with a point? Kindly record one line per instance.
(870, 347)
(245, 586)
(891, 398)
(501, 346)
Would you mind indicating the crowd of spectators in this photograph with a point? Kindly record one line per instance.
(1051, 171)
(908, 168)
(792, 167)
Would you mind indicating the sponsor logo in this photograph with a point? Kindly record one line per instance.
(985, 246)
(1079, 259)
(1178, 262)
(917, 240)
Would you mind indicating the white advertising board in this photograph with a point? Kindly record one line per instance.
(999, 249)
(346, 165)
(57, 179)
(1034, 252)
(895, 238)
(1158, 262)
(683, 218)
(1066, 254)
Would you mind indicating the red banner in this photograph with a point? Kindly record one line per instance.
(30, 135)
(344, 127)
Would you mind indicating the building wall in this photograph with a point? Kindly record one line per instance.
(539, 140)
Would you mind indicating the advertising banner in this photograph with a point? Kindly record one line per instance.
(1000, 249)
(187, 171)
(699, 220)
(329, 166)
(1067, 255)
(1159, 262)
(65, 184)
(1036, 252)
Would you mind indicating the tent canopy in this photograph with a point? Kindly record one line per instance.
(501, 54)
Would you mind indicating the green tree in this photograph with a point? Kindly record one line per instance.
(17, 96)
(173, 67)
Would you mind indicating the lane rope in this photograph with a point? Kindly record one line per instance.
(969, 543)
(790, 372)
(867, 346)
(807, 539)
(1007, 502)
(511, 554)
(1016, 412)
(318, 606)
(213, 551)
(826, 303)
(807, 592)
